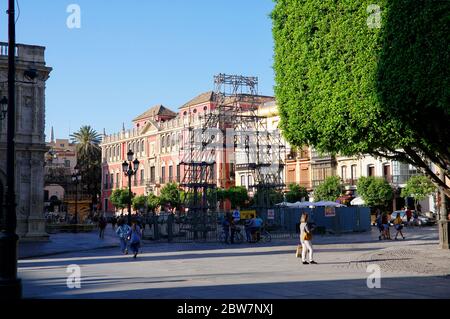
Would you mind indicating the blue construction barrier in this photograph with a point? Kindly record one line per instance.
(341, 220)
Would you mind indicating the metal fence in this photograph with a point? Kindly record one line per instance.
(338, 220)
(283, 224)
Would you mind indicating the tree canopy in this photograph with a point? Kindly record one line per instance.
(296, 193)
(237, 195)
(153, 202)
(418, 187)
(89, 154)
(345, 86)
(375, 191)
(120, 198)
(170, 196)
(329, 190)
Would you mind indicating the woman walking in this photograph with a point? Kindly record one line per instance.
(134, 236)
(306, 240)
(398, 224)
(122, 231)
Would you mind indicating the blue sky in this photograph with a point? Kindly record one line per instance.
(132, 54)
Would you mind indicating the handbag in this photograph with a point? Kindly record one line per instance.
(307, 236)
(298, 253)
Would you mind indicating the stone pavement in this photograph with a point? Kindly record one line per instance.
(414, 268)
(68, 243)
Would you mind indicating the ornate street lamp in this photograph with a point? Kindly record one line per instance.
(3, 108)
(76, 178)
(130, 168)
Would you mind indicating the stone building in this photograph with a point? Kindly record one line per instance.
(31, 76)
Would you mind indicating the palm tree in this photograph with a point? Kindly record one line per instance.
(87, 141)
(89, 155)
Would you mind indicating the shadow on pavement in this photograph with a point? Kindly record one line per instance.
(122, 288)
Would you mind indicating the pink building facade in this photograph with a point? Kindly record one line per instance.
(157, 142)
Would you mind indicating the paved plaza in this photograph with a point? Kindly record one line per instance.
(414, 268)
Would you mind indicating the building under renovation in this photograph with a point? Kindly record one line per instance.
(213, 137)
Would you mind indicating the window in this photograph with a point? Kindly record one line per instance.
(371, 170)
(387, 172)
(243, 180)
(142, 147)
(112, 180)
(250, 180)
(105, 208)
(162, 142)
(142, 177)
(170, 173)
(117, 180)
(66, 163)
(353, 177)
(178, 173)
(344, 172)
(106, 181)
(163, 174)
(152, 174)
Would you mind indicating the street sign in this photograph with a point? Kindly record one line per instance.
(248, 214)
(271, 214)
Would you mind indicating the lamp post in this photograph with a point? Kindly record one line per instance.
(76, 178)
(130, 168)
(10, 284)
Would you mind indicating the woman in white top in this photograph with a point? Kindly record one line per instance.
(306, 240)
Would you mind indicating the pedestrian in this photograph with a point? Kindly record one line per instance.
(248, 229)
(398, 224)
(101, 226)
(122, 231)
(385, 223)
(233, 229)
(226, 227)
(408, 214)
(134, 237)
(380, 227)
(113, 223)
(306, 240)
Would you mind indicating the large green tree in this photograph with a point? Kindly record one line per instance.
(89, 156)
(139, 202)
(153, 202)
(237, 195)
(375, 191)
(329, 190)
(120, 198)
(170, 196)
(296, 193)
(418, 187)
(354, 80)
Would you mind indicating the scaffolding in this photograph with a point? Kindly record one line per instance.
(228, 137)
